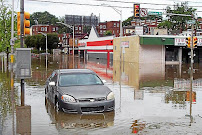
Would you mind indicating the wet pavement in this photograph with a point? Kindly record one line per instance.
(152, 99)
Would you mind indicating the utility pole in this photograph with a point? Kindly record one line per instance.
(22, 45)
(191, 70)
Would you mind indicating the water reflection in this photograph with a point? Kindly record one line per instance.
(73, 121)
(154, 99)
(139, 75)
(179, 97)
(137, 126)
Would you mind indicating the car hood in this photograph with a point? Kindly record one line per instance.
(89, 91)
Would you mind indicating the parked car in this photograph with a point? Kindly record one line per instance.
(79, 91)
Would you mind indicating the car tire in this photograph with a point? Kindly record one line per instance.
(46, 95)
(57, 106)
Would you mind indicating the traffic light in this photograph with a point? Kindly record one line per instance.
(136, 11)
(18, 23)
(195, 42)
(188, 42)
(26, 23)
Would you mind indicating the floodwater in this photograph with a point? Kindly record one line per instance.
(149, 99)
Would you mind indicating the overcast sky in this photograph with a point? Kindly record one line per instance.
(106, 13)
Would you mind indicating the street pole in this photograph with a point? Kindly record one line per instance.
(71, 27)
(121, 29)
(73, 45)
(12, 35)
(46, 52)
(191, 72)
(22, 45)
(12, 80)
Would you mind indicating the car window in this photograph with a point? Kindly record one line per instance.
(79, 79)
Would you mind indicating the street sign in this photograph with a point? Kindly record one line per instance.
(191, 22)
(143, 12)
(155, 13)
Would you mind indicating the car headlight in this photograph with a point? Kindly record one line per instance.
(110, 96)
(67, 98)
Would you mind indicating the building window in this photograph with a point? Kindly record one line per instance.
(36, 29)
(45, 28)
(53, 29)
(33, 29)
(42, 28)
(100, 31)
(114, 24)
(117, 31)
(117, 24)
(104, 26)
(79, 28)
(104, 31)
(76, 28)
(56, 28)
(100, 26)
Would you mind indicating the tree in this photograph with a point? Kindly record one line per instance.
(39, 41)
(178, 22)
(128, 21)
(108, 33)
(43, 18)
(5, 25)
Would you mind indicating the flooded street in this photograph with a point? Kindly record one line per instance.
(152, 99)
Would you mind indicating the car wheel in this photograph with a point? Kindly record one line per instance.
(57, 106)
(46, 95)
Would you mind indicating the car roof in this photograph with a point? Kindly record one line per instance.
(67, 71)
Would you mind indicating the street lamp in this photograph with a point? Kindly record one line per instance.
(120, 13)
(71, 27)
(46, 47)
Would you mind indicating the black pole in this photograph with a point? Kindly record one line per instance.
(22, 44)
(22, 92)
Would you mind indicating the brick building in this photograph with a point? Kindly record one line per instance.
(113, 26)
(43, 28)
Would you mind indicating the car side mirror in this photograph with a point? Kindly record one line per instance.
(52, 83)
(104, 81)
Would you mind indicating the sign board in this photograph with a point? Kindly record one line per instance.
(191, 22)
(125, 44)
(143, 12)
(139, 30)
(155, 13)
(182, 42)
(23, 63)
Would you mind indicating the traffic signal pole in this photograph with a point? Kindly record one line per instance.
(22, 45)
(191, 71)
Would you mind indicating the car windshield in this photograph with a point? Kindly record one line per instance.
(79, 79)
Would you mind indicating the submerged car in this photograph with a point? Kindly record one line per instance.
(79, 91)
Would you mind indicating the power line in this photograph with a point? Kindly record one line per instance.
(128, 2)
(96, 5)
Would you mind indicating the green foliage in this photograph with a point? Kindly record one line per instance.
(178, 22)
(43, 18)
(52, 41)
(127, 21)
(5, 25)
(39, 41)
(108, 33)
